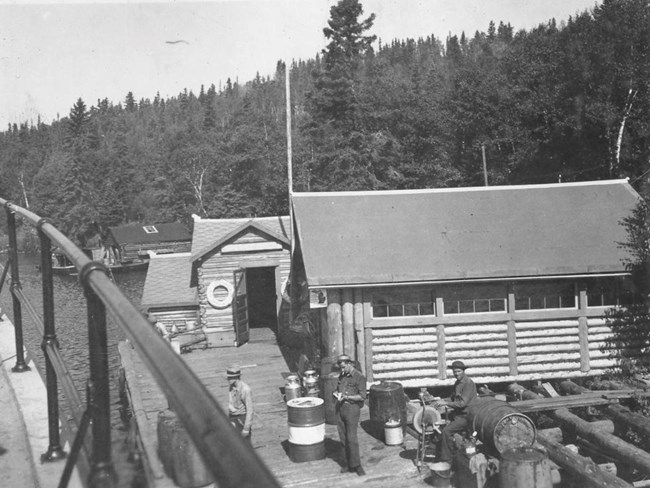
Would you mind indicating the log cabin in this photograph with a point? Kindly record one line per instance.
(513, 280)
(167, 294)
(238, 267)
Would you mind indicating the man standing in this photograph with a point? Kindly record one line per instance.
(240, 404)
(464, 394)
(351, 395)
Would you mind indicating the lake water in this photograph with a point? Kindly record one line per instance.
(71, 328)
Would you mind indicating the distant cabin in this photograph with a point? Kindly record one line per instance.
(238, 270)
(513, 280)
(133, 242)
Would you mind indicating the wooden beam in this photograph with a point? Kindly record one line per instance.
(512, 347)
(347, 323)
(574, 401)
(359, 329)
(442, 352)
(334, 336)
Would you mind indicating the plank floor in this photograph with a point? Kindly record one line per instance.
(262, 365)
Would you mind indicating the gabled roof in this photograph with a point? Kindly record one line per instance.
(167, 283)
(365, 238)
(211, 233)
(136, 234)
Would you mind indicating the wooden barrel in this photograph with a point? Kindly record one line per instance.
(525, 467)
(329, 384)
(306, 419)
(178, 454)
(499, 425)
(386, 402)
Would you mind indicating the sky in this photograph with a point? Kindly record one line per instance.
(55, 52)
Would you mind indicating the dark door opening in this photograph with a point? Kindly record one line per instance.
(260, 287)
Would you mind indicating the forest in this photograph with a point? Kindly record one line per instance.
(568, 100)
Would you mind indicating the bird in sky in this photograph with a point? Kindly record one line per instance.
(177, 42)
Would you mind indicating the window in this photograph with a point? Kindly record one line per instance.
(538, 295)
(150, 229)
(411, 301)
(474, 298)
(610, 292)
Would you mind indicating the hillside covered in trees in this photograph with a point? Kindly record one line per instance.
(566, 101)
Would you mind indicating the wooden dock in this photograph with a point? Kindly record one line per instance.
(262, 365)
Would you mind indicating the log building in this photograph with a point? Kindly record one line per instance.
(513, 280)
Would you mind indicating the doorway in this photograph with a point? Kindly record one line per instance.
(260, 288)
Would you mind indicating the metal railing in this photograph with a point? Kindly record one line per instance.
(228, 456)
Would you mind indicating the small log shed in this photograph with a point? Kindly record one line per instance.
(238, 269)
(513, 280)
(133, 242)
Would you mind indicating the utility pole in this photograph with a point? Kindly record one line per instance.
(484, 165)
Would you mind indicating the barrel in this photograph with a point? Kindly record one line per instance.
(181, 459)
(306, 419)
(525, 467)
(393, 434)
(386, 402)
(329, 383)
(499, 425)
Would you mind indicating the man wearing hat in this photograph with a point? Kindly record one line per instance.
(240, 404)
(351, 395)
(464, 394)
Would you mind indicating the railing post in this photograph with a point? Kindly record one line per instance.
(102, 472)
(54, 450)
(21, 365)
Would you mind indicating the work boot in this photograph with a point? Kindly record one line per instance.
(359, 470)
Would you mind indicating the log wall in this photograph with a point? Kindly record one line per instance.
(498, 347)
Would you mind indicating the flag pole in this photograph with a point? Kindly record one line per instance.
(289, 152)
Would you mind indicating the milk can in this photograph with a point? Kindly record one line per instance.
(310, 383)
(292, 388)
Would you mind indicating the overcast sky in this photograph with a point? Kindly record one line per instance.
(53, 52)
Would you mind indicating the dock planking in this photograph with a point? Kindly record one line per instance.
(262, 366)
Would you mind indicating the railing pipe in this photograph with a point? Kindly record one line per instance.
(54, 450)
(102, 473)
(230, 458)
(21, 365)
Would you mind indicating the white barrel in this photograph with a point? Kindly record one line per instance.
(393, 434)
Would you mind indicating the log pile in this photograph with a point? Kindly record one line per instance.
(589, 453)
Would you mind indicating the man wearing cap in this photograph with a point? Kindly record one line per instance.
(464, 394)
(351, 395)
(240, 404)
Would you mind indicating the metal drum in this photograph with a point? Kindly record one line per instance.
(499, 425)
(387, 402)
(292, 388)
(525, 467)
(306, 419)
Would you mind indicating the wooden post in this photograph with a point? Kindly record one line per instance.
(347, 323)
(512, 347)
(359, 329)
(583, 330)
(368, 334)
(334, 334)
(442, 353)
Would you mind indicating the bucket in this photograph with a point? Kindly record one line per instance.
(441, 474)
(393, 434)
(328, 387)
(386, 402)
(178, 454)
(525, 467)
(306, 419)
(499, 425)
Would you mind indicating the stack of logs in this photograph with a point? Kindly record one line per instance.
(597, 440)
